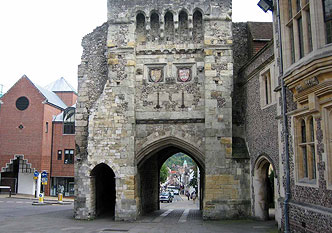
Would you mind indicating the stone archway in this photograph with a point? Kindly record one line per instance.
(263, 187)
(103, 190)
(149, 162)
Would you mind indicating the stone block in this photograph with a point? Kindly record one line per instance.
(114, 61)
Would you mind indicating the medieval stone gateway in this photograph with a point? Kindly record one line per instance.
(156, 79)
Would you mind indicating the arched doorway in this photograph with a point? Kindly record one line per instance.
(103, 184)
(150, 161)
(263, 185)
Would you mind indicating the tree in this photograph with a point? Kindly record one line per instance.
(163, 173)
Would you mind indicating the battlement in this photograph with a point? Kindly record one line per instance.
(127, 10)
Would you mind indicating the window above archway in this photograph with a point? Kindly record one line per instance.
(69, 121)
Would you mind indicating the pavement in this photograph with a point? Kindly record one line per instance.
(47, 199)
(18, 215)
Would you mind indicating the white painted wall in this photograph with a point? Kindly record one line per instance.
(26, 183)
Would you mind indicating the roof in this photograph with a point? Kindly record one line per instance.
(51, 97)
(261, 30)
(60, 85)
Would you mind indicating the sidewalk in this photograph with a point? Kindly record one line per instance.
(32, 197)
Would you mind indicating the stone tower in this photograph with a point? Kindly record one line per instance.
(155, 80)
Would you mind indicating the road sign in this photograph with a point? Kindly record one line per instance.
(35, 175)
(44, 174)
(44, 181)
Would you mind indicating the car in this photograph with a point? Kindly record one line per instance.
(174, 189)
(165, 197)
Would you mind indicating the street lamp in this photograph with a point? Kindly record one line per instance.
(265, 5)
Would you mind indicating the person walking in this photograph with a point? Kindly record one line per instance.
(194, 197)
(188, 195)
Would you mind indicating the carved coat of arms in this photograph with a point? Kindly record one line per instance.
(156, 75)
(184, 75)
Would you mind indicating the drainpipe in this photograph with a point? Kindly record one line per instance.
(285, 125)
(52, 138)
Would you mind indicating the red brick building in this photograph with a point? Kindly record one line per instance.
(30, 132)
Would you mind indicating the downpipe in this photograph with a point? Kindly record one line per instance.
(285, 125)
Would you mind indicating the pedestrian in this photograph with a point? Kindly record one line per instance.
(187, 194)
(194, 197)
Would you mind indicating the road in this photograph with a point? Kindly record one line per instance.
(19, 215)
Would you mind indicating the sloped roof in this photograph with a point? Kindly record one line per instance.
(51, 97)
(60, 85)
(261, 30)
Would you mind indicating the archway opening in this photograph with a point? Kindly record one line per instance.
(169, 26)
(179, 185)
(140, 28)
(264, 190)
(103, 180)
(150, 186)
(197, 26)
(155, 26)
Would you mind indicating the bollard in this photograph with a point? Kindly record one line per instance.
(60, 196)
(41, 198)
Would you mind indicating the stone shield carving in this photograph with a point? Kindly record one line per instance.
(184, 74)
(156, 75)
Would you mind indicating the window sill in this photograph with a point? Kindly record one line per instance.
(268, 105)
(308, 183)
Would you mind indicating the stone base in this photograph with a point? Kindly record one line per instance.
(228, 209)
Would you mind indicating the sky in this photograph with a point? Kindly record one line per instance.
(42, 38)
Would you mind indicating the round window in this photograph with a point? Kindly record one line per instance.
(22, 103)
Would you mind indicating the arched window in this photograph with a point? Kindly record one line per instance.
(140, 27)
(169, 26)
(197, 26)
(155, 26)
(69, 121)
(183, 26)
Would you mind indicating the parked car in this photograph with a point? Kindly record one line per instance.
(165, 197)
(174, 189)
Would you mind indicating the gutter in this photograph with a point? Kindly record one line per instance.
(285, 125)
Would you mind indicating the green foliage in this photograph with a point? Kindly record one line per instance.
(163, 173)
(178, 159)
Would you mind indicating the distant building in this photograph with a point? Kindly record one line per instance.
(35, 123)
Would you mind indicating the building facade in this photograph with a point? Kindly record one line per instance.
(305, 28)
(28, 134)
(156, 80)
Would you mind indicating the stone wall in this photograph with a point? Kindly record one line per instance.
(145, 92)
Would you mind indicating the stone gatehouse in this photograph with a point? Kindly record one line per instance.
(156, 79)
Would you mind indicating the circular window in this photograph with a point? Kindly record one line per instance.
(22, 103)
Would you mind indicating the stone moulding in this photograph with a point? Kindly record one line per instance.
(170, 121)
(160, 144)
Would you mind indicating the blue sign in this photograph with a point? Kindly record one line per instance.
(44, 174)
(36, 173)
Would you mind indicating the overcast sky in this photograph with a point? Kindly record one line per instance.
(42, 38)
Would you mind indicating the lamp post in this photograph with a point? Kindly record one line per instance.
(265, 5)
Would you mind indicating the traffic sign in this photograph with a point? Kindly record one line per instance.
(44, 174)
(35, 175)
(44, 180)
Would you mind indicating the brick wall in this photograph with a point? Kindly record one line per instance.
(28, 140)
(61, 142)
(69, 98)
